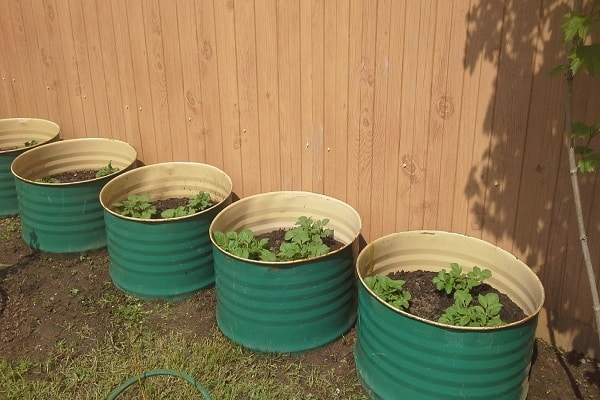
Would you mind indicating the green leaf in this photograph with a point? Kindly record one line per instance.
(220, 238)
(245, 236)
(267, 255)
(389, 290)
(109, 169)
(588, 56)
(576, 26)
(200, 202)
(589, 163)
(180, 211)
(584, 131)
(136, 206)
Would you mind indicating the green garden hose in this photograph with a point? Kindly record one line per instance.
(157, 372)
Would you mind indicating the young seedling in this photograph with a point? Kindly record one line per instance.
(107, 170)
(463, 313)
(197, 203)
(200, 202)
(136, 207)
(47, 179)
(389, 290)
(457, 280)
(244, 245)
(180, 211)
(305, 240)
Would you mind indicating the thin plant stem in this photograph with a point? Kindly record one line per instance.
(576, 194)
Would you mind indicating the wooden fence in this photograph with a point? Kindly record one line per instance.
(421, 114)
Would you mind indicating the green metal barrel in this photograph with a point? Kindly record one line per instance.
(66, 217)
(400, 356)
(293, 306)
(18, 135)
(168, 259)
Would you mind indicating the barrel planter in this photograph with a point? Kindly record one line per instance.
(18, 135)
(400, 356)
(168, 259)
(66, 217)
(292, 306)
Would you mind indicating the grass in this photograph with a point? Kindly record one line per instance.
(9, 226)
(225, 370)
(92, 366)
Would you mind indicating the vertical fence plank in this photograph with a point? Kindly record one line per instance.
(191, 75)
(82, 69)
(248, 97)
(418, 206)
(73, 83)
(268, 95)
(209, 81)
(133, 22)
(159, 97)
(319, 136)
(366, 92)
(59, 84)
(446, 104)
(435, 126)
(7, 99)
(309, 101)
(339, 85)
(392, 153)
(328, 87)
(97, 96)
(127, 82)
(173, 75)
(354, 71)
(107, 56)
(382, 79)
(288, 52)
(408, 94)
(228, 90)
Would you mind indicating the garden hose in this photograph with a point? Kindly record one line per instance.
(157, 372)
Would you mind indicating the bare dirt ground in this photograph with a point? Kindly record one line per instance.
(41, 294)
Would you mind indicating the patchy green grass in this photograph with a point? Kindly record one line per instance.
(9, 227)
(225, 370)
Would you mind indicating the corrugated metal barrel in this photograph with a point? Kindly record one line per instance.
(66, 217)
(292, 306)
(399, 356)
(167, 259)
(14, 134)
